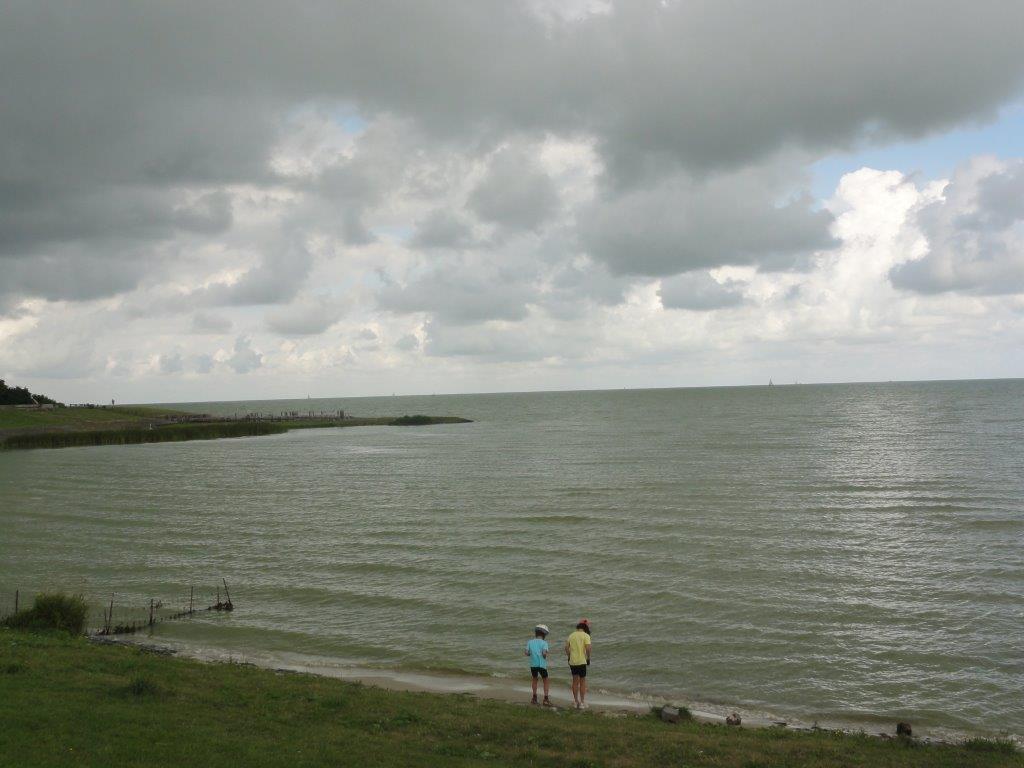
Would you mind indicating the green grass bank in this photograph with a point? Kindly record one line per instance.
(169, 433)
(126, 425)
(67, 702)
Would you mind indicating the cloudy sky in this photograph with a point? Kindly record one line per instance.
(236, 200)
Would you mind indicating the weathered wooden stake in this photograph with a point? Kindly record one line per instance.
(16, 593)
(191, 599)
(226, 593)
(110, 616)
(151, 611)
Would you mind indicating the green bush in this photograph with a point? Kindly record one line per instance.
(52, 612)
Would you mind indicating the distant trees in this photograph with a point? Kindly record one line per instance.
(20, 396)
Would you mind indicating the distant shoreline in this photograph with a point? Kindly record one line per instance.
(115, 425)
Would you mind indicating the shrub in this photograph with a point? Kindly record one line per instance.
(52, 612)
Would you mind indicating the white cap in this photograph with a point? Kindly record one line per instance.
(542, 628)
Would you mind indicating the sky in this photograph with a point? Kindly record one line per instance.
(207, 201)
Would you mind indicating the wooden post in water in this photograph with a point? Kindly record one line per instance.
(151, 611)
(110, 616)
(227, 594)
(191, 599)
(17, 592)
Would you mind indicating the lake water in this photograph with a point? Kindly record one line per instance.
(849, 553)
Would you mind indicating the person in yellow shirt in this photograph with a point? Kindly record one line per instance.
(577, 648)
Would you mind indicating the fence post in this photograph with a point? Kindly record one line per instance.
(191, 599)
(17, 592)
(151, 611)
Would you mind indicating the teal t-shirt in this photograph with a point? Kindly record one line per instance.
(536, 648)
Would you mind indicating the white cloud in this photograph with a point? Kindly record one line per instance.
(975, 233)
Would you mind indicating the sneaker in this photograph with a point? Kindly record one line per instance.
(533, 700)
(547, 702)
(583, 705)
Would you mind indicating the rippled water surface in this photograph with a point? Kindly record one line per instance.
(837, 552)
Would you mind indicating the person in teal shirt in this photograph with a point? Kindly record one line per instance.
(537, 651)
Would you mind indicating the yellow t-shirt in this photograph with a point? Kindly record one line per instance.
(578, 642)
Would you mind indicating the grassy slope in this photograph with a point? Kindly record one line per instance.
(169, 433)
(61, 419)
(65, 702)
(67, 427)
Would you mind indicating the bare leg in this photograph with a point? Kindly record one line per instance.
(576, 690)
(533, 684)
(547, 687)
(583, 691)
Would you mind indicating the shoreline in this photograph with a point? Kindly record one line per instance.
(517, 691)
(78, 427)
(66, 700)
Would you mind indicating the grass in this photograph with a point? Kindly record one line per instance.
(123, 425)
(68, 702)
(374, 421)
(76, 418)
(133, 435)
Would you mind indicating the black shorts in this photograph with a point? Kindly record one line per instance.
(578, 670)
(539, 672)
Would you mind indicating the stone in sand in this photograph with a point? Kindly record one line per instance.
(733, 719)
(670, 714)
(904, 729)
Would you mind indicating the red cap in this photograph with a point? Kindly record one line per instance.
(584, 621)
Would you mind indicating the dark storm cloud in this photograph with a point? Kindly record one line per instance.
(69, 273)
(110, 111)
(305, 318)
(515, 192)
(575, 286)
(975, 235)
(698, 291)
(682, 224)
(277, 278)
(444, 230)
(189, 91)
(459, 295)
